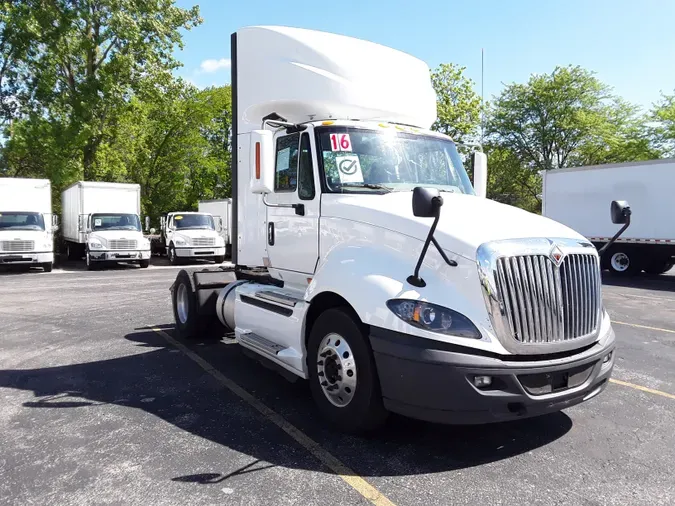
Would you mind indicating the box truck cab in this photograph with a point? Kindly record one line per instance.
(101, 221)
(368, 264)
(189, 236)
(27, 224)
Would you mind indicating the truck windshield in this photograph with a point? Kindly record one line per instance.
(115, 222)
(358, 160)
(193, 221)
(21, 221)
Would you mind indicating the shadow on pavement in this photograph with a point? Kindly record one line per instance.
(183, 395)
(659, 282)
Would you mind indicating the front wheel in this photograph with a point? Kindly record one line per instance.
(144, 264)
(660, 266)
(172, 255)
(91, 265)
(47, 267)
(342, 374)
(219, 260)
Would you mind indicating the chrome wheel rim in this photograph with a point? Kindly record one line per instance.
(336, 370)
(182, 303)
(620, 262)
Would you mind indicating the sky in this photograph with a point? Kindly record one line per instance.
(629, 44)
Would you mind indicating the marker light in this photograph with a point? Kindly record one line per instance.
(433, 318)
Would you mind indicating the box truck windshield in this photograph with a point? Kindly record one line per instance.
(21, 221)
(194, 222)
(115, 222)
(356, 159)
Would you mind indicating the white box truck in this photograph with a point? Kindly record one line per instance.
(27, 224)
(220, 209)
(578, 198)
(186, 236)
(368, 264)
(101, 221)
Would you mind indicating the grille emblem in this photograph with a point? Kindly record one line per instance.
(556, 255)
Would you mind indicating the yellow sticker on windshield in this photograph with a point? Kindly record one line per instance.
(177, 217)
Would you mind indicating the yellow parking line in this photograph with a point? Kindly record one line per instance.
(350, 477)
(640, 387)
(644, 327)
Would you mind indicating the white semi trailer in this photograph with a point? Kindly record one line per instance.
(27, 224)
(220, 209)
(101, 222)
(578, 197)
(368, 264)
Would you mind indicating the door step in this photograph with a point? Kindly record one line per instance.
(261, 344)
(277, 298)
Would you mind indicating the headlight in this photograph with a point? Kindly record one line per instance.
(95, 244)
(180, 241)
(433, 318)
(145, 244)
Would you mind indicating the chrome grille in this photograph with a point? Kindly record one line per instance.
(204, 241)
(544, 303)
(122, 244)
(17, 246)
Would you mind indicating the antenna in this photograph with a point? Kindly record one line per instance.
(482, 101)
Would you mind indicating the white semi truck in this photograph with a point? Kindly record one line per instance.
(220, 209)
(189, 236)
(27, 224)
(101, 222)
(576, 197)
(368, 264)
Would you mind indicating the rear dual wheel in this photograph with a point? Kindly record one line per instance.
(189, 323)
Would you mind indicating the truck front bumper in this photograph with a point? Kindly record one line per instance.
(32, 257)
(435, 381)
(118, 255)
(200, 252)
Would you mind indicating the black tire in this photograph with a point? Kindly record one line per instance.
(91, 266)
(365, 412)
(660, 266)
(144, 264)
(47, 267)
(173, 259)
(71, 252)
(192, 326)
(622, 262)
(219, 260)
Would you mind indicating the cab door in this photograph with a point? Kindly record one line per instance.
(293, 208)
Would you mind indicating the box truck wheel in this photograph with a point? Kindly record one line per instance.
(47, 267)
(659, 266)
(342, 373)
(172, 255)
(219, 260)
(622, 261)
(144, 264)
(189, 323)
(91, 265)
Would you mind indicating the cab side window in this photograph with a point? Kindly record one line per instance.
(305, 171)
(286, 176)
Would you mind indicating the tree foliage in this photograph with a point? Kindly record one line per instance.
(664, 132)
(457, 104)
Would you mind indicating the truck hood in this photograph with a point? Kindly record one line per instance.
(106, 235)
(466, 221)
(195, 233)
(24, 235)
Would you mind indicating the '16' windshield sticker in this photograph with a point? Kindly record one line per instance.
(340, 142)
(97, 222)
(349, 169)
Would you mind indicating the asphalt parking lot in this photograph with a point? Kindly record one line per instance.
(98, 408)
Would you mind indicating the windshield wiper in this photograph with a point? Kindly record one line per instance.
(371, 186)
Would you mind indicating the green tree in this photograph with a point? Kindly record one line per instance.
(664, 132)
(457, 105)
(93, 56)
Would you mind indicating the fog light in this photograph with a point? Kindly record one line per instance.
(607, 358)
(482, 381)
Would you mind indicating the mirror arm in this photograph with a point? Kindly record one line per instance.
(451, 263)
(299, 208)
(415, 279)
(616, 236)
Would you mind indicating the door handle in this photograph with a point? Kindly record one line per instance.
(270, 233)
